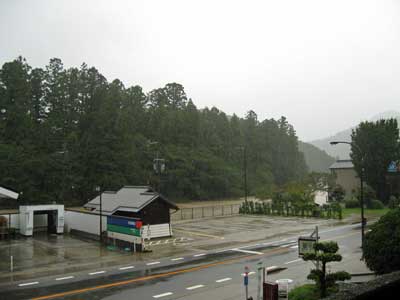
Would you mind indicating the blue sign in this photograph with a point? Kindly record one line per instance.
(394, 167)
(246, 279)
(131, 223)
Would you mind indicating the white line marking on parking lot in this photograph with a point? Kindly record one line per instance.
(201, 254)
(64, 278)
(247, 251)
(153, 263)
(286, 245)
(28, 283)
(223, 279)
(126, 268)
(178, 258)
(95, 273)
(292, 261)
(195, 287)
(162, 295)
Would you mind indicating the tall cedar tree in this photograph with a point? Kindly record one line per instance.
(379, 145)
(65, 131)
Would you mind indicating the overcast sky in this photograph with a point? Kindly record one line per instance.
(325, 65)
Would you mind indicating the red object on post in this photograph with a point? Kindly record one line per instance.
(270, 291)
(139, 224)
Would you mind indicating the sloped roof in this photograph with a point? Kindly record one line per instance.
(342, 164)
(8, 194)
(128, 198)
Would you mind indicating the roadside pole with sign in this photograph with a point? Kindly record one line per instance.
(307, 243)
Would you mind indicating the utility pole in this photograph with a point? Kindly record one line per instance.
(245, 172)
(98, 189)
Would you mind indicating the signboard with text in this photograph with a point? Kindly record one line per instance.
(306, 245)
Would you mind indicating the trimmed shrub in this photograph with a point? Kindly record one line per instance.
(376, 204)
(352, 203)
(304, 292)
(381, 245)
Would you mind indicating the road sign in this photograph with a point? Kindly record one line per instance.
(306, 244)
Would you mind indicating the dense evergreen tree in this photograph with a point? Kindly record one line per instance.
(374, 146)
(65, 131)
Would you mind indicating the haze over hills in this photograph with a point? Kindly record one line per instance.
(342, 151)
(317, 160)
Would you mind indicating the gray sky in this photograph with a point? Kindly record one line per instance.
(325, 65)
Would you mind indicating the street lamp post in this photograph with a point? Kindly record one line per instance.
(244, 148)
(361, 186)
(98, 189)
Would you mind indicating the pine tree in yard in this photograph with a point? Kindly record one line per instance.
(325, 252)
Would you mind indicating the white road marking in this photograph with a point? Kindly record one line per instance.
(28, 283)
(201, 254)
(294, 247)
(64, 278)
(271, 268)
(250, 273)
(286, 245)
(153, 263)
(194, 287)
(127, 268)
(223, 279)
(292, 261)
(178, 258)
(95, 273)
(247, 251)
(162, 295)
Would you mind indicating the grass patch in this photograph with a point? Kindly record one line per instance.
(304, 292)
(369, 213)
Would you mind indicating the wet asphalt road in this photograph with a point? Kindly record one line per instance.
(204, 275)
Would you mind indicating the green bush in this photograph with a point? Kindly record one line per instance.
(376, 204)
(381, 245)
(352, 203)
(393, 202)
(304, 292)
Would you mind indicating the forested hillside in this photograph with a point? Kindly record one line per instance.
(65, 131)
(317, 160)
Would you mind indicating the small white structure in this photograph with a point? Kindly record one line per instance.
(55, 217)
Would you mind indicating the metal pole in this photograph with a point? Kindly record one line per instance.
(101, 218)
(245, 174)
(362, 205)
(11, 263)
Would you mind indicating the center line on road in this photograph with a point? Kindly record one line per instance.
(195, 287)
(95, 273)
(201, 254)
(28, 283)
(153, 263)
(64, 278)
(223, 279)
(247, 251)
(127, 268)
(162, 295)
(178, 258)
(292, 261)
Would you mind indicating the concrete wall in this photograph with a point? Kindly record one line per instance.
(85, 222)
(348, 179)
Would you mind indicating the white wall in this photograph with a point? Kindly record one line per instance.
(84, 222)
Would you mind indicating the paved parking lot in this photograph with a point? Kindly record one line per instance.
(57, 254)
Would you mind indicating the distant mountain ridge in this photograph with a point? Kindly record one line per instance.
(316, 159)
(342, 151)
